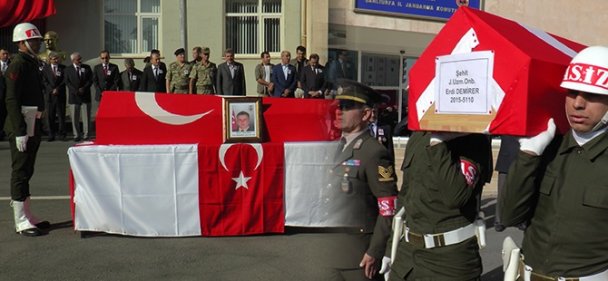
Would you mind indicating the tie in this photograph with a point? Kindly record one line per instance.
(155, 72)
(341, 146)
(54, 70)
(231, 66)
(105, 70)
(372, 129)
(4, 67)
(78, 71)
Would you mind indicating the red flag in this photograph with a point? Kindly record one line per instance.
(241, 189)
(14, 12)
(233, 121)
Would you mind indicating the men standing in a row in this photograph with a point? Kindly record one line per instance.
(313, 79)
(130, 77)
(105, 75)
(4, 61)
(178, 75)
(231, 76)
(24, 104)
(203, 75)
(153, 78)
(284, 77)
(79, 78)
(53, 78)
(560, 184)
(263, 74)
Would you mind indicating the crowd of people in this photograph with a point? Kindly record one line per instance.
(554, 185)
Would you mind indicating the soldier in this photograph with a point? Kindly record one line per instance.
(179, 71)
(24, 104)
(50, 42)
(363, 193)
(564, 191)
(443, 175)
(203, 75)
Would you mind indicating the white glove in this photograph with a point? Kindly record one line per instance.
(386, 267)
(537, 144)
(446, 136)
(21, 143)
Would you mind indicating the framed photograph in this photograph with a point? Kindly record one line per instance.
(242, 119)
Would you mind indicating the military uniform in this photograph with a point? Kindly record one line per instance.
(23, 88)
(360, 199)
(178, 75)
(565, 194)
(363, 186)
(439, 193)
(205, 77)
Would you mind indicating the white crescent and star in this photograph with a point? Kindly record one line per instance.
(147, 103)
(241, 180)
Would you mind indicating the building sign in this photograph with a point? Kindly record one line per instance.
(427, 9)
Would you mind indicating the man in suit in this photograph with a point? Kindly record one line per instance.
(53, 79)
(153, 78)
(263, 75)
(4, 61)
(243, 122)
(382, 133)
(231, 76)
(313, 79)
(130, 77)
(362, 194)
(105, 75)
(284, 77)
(79, 78)
(339, 68)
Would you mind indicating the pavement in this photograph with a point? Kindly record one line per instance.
(64, 255)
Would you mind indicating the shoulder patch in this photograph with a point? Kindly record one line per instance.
(470, 172)
(386, 173)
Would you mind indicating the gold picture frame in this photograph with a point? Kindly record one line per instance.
(242, 119)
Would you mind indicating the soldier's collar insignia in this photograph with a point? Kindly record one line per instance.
(386, 173)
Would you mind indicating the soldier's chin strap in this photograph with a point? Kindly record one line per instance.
(603, 122)
(27, 45)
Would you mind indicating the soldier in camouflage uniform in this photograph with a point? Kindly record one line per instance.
(178, 74)
(203, 75)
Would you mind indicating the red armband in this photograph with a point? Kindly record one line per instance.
(386, 206)
(470, 172)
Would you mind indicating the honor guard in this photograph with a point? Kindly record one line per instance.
(443, 176)
(203, 75)
(362, 195)
(560, 184)
(24, 104)
(179, 73)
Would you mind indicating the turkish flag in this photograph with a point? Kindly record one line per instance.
(14, 12)
(241, 189)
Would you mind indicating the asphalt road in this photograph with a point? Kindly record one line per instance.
(64, 255)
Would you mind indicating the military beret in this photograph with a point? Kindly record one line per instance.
(179, 51)
(206, 50)
(352, 91)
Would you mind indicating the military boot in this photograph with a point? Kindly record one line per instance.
(22, 225)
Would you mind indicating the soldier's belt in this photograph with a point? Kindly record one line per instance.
(526, 273)
(441, 239)
(180, 87)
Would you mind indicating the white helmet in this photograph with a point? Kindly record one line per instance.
(25, 31)
(588, 71)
